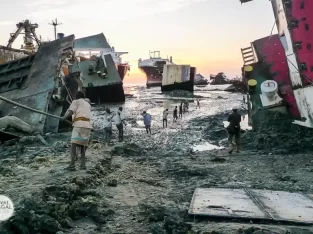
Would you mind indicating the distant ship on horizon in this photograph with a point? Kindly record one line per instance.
(153, 68)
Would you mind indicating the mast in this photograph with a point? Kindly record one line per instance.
(55, 24)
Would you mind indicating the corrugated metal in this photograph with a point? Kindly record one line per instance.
(175, 74)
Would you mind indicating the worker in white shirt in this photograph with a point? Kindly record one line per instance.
(107, 125)
(119, 121)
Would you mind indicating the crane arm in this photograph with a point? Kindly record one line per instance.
(35, 36)
(14, 36)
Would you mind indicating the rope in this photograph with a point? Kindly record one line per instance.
(33, 110)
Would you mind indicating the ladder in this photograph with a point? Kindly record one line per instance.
(248, 55)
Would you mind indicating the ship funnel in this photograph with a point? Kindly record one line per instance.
(171, 59)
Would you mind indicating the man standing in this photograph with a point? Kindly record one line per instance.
(175, 117)
(233, 129)
(119, 121)
(181, 110)
(198, 103)
(80, 110)
(147, 121)
(107, 125)
(165, 114)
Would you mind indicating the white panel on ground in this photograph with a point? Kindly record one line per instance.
(253, 204)
(224, 202)
(286, 206)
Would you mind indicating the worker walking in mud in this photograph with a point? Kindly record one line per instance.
(107, 125)
(147, 121)
(165, 114)
(175, 116)
(181, 110)
(119, 121)
(198, 104)
(233, 130)
(80, 110)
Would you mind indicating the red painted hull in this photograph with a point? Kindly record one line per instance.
(122, 70)
(299, 13)
(271, 51)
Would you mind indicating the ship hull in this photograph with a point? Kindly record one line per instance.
(153, 75)
(184, 85)
(104, 94)
(122, 70)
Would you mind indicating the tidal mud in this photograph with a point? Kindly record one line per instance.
(145, 184)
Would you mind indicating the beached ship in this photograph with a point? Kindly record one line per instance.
(178, 77)
(200, 80)
(88, 46)
(291, 78)
(37, 81)
(100, 74)
(153, 68)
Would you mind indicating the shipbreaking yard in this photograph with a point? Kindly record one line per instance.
(178, 180)
(146, 184)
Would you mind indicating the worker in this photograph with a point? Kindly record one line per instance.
(244, 99)
(198, 103)
(147, 121)
(175, 117)
(80, 110)
(165, 114)
(107, 125)
(119, 121)
(181, 110)
(233, 129)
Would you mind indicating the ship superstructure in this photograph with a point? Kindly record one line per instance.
(153, 68)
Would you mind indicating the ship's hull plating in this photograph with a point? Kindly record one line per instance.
(270, 51)
(122, 70)
(153, 75)
(184, 85)
(298, 40)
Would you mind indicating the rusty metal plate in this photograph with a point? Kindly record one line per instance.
(253, 204)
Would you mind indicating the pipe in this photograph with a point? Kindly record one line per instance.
(33, 110)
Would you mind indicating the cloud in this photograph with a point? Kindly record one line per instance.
(111, 10)
(6, 23)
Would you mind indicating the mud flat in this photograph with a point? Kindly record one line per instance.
(145, 184)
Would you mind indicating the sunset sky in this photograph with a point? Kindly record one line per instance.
(205, 33)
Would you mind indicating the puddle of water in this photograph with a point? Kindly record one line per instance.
(206, 146)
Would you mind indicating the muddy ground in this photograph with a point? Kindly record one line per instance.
(145, 184)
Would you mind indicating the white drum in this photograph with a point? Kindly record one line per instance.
(269, 88)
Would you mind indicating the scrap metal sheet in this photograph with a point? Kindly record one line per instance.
(253, 204)
(224, 202)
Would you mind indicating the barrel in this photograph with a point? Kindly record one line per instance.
(60, 35)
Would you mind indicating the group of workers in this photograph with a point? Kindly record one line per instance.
(80, 110)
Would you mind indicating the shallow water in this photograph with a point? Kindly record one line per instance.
(177, 134)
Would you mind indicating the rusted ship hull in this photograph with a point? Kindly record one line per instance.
(32, 81)
(153, 75)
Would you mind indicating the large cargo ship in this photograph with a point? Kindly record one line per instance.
(178, 77)
(99, 46)
(153, 68)
(294, 20)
